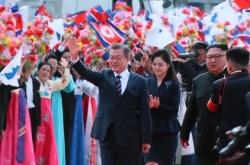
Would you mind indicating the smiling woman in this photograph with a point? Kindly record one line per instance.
(164, 90)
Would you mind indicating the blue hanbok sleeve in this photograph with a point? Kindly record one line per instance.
(71, 86)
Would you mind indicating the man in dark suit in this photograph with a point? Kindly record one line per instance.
(197, 110)
(122, 123)
(233, 109)
(31, 87)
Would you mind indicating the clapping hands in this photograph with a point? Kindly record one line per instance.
(154, 102)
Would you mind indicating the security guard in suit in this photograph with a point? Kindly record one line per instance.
(231, 104)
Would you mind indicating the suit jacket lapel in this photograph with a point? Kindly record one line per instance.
(35, 88)
(112, 82)
(210, 78)
(130, 84)
(153, 88)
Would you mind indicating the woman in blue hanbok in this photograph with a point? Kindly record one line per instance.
(77, 146)
(57, 109)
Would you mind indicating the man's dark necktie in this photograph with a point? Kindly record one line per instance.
(118, 86)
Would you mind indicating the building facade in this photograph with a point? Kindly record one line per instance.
(205, 5)
(58, 8)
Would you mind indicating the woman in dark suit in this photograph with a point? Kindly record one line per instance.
(164, 90)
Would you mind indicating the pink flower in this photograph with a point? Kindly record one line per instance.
(84, 47)
(98, 52)
(164, 16)
(88, 50)
(14, 41)
(87, 59)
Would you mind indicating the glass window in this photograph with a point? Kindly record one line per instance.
(199, 5)
(25, 1)
(54, 7)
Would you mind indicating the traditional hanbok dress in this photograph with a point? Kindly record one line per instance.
(90, 109)
(16, 147)
(57, 112)
(46, 149)
(77, 147)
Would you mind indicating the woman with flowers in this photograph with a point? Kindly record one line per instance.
(46, 151)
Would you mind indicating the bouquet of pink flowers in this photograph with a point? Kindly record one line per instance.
(9, 42)
(188, 33)
(90, 46)
(37, 37)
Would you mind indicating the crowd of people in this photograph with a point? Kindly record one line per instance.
(147, 103)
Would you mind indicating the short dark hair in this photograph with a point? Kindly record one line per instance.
(51, 56)
(42, 64)
(137, 57)
(239, 57)
(164, 54)
(200, 45)
(223, 47)
(121, 46)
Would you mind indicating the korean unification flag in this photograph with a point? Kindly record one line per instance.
(8, 76)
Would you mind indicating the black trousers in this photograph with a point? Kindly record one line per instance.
(206, 160)
(113, 154)
(32, 112)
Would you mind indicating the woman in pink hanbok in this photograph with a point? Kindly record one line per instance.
(16, 146)
(46, 151)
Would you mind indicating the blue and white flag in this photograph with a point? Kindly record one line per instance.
(8, 76)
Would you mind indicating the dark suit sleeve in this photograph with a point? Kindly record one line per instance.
(189, 118)
(90, 75)
(3, 105)
(215, 93)
(248, 110)
(171, 110)
(145, 116)
(188, 69)
(215, 97)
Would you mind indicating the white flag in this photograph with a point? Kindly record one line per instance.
(8, 76)
(159, 36)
